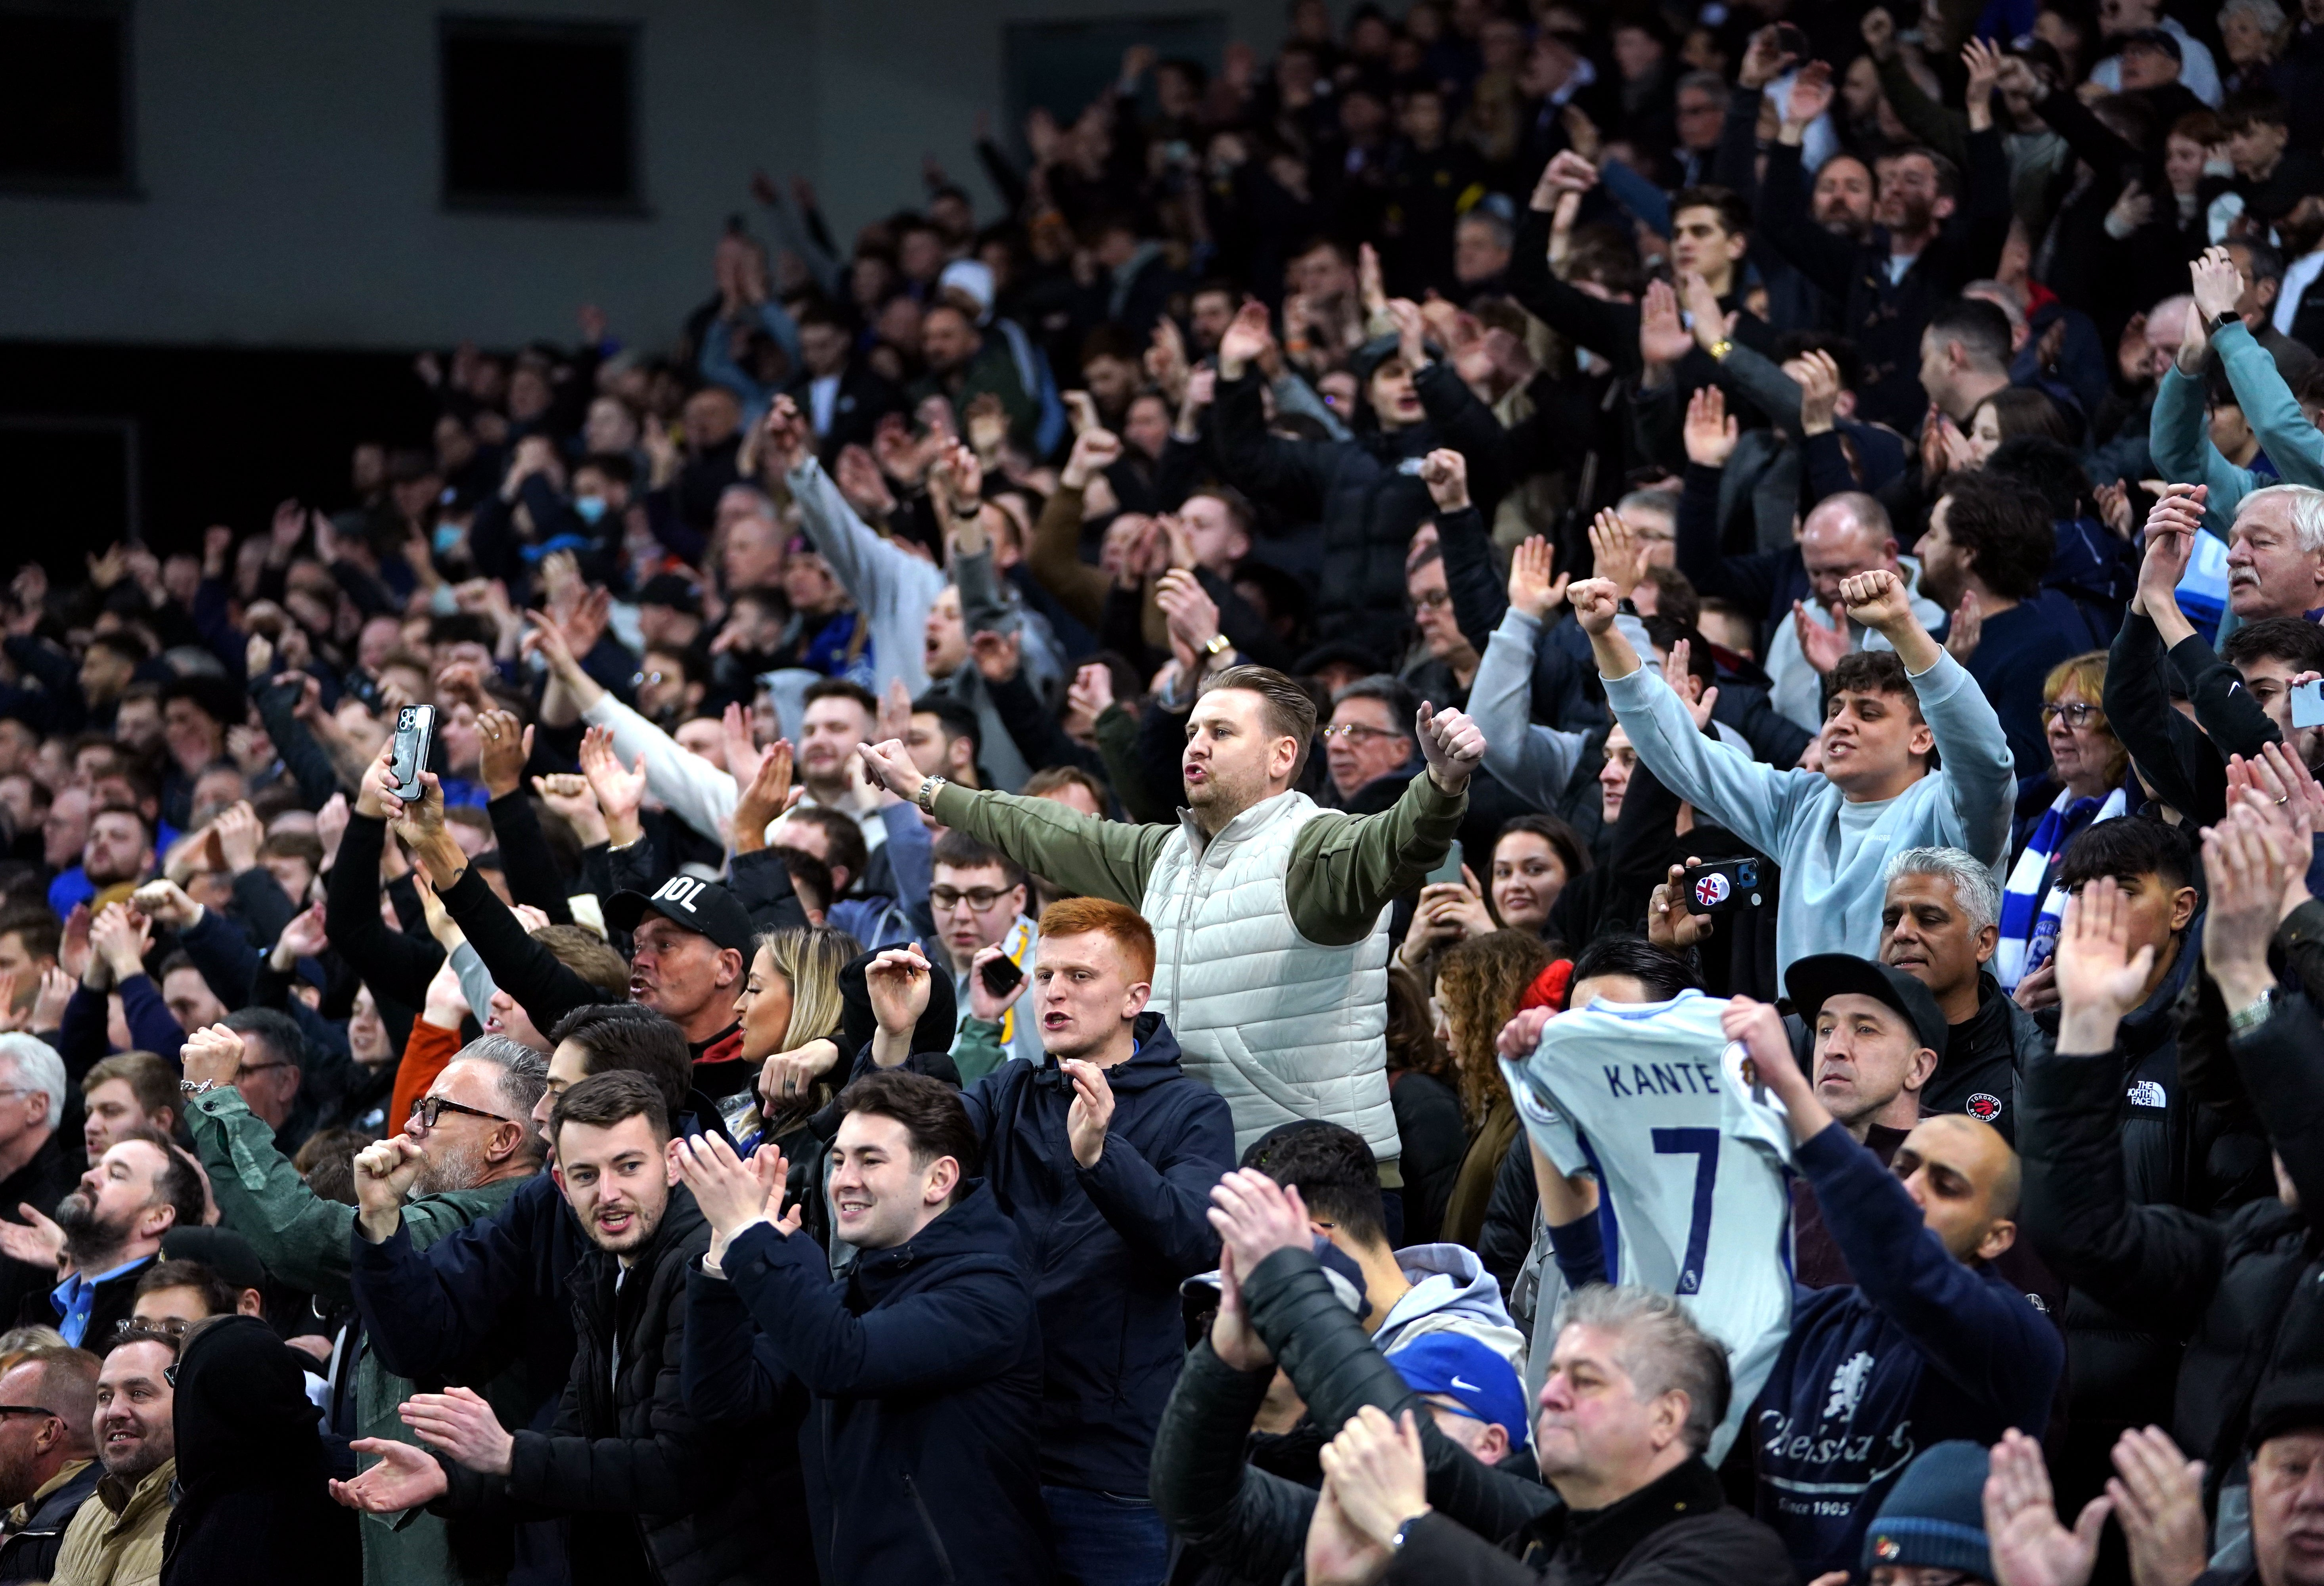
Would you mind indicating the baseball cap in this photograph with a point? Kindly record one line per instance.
(698, 906)
(1815, 979)
(1469, 1371)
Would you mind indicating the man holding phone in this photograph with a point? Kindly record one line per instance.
(978, 897)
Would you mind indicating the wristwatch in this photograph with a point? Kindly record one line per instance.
(1217, 644)
(926, 797)
(191, 1089)
(1396, 1543)
(2253, 1014)
(1719, 349)
(2220, 322)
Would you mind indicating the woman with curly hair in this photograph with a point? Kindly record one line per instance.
(1480, 988)
(1427, 1108)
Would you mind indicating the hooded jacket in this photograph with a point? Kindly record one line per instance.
(30, 1552)
(1450, 1292)
(644, 1484)
(1107, 1246)
(923, 1373)
(254, 1505)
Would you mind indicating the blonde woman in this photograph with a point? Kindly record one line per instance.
(789, 1008)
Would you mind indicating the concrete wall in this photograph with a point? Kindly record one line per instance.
(288, 166)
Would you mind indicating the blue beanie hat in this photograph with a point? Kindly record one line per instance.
(1934, 1517)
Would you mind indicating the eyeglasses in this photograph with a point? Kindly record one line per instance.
(980, 898)
(175, 1326)
(250, 1068)
(641, 679)
(2077, 714)
(1432, 599)
(1357, 732)
(29, 1410)
(428, 1109)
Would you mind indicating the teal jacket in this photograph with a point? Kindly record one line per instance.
(303, 1237)
(2179, 434)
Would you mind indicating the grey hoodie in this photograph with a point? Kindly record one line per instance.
(1450, 1292)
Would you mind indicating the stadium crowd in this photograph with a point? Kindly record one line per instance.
(1531, 797)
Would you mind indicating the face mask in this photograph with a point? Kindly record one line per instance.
(447, 538)
(591, 507)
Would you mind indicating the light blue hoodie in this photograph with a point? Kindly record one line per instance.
(1832, 853)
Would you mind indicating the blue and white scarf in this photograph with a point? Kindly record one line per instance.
(2031, 911)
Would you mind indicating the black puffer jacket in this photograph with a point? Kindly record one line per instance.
(647, 1487)
(2219, 1284)
(1366, 493)
(1255, 1524)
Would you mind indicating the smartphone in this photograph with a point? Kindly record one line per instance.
(1449, 869)
(2308, 703)
(415, 734)
(1000, 975)
(1721, 887)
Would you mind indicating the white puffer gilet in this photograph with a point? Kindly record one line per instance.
(1282, 1026)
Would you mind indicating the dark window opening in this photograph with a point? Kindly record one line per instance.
(64, 101)
(539, 114)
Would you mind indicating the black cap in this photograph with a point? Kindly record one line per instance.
(2162, 39)
(1814, 981)
(221, 1249)
(672, 590)
(699, 906)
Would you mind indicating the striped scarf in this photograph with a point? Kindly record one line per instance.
(2031, 910)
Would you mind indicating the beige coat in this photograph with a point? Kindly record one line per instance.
(115, 1538)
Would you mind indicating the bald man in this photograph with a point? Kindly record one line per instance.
(1846, 534)
(1930, 1342)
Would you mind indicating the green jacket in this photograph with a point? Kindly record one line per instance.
(303, 1239)
(1343, 867)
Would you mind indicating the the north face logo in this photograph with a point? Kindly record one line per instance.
(2148, 1092)
(1983, 1106)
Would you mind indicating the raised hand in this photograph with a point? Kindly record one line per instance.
(1257, 1217)
(785, 439)
(1702, 306)
(1595, 602)
(1817, 374)
(1094, 451)
(2158, 1501)
(1877, 600)
(506, 744)
(1709, 433)
(165, 902)
(1453, 745)
(2216, 284)
(239, 834)
(121, 938)
(1967, 630)
(1233, 1339)
(302, 938)
(1662, 338)
(619, 789)
(1811, 97)
(211, 1055)
(1445, 471)
(1670, 924)
(1246, 338)
(1531, 588)
(1681, 678)
(2251, 860)
(734, 1194)
(1091, 692)
(2098, 978)
(1376, 1467)
(897, 983)
(888, 764)
(2030, 1546)
(763, 798)
(998, 656)
(1981, 59)
(1767, 59)
(568, 794)
(1616, 557)
(385, 1170)
(1191, 614)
